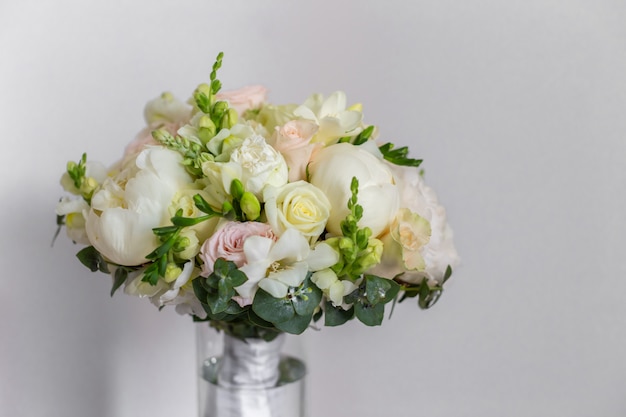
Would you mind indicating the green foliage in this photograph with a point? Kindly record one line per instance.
(292, 313)
(427, 296)
(336, 316)
(370, 297)
(172, 241)
(398, 156)
(92, 259)
(194, 154)
(218, 289)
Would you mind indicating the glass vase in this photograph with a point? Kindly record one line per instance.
(251, 377)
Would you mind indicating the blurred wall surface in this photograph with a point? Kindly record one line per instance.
(518, 109)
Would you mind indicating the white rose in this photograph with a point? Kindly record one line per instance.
(297, 205)
(332, 169)
(261, 165)
(436, 252)
(128, 206)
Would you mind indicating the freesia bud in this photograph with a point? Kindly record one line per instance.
(172, 271)
(206, 129)
(250, 206)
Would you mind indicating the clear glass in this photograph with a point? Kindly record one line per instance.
(254, 378)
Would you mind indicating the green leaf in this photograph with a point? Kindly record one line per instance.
(428, 296)
(151, 274)
(306, 298)
(336, 316)
(296, 325)
(119, 278)
(364, 136)
(258, 321)
(398, 156)
(203, 206)
(189, 221)
(91, 258)
(380, 290)
(274, 310)
(370, 315)
(447, 274)
(164, 231)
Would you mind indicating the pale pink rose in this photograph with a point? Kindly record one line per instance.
(293, 141)
(227, 242)
(245, 98)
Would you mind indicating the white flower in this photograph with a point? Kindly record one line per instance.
(332, 117)
(277, 265)
(181, 294)
(421, 241)
(74, 211)
(332, 170)
(333, 288)
(129, 205)
(298, 205)
(260, 164)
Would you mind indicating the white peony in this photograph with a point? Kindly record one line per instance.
(420, 244)
(297, 205)
(133, 202)
(332, 169)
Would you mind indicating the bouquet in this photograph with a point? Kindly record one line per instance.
(261, 218)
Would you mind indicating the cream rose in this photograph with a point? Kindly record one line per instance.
(332, 169)
(297, 205)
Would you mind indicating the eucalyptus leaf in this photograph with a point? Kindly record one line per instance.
(370, 315)
(274, 310)
(91, 258)
(380, 290)
(336, 316)
(119, 278)
(306, 298)
(296, 325)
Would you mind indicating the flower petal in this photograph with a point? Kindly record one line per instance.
(276, 288)
(322, 256)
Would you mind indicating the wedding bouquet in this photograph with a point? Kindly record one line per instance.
(261, 218)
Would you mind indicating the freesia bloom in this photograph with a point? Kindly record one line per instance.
(74, 211)
(245, 98)
(332, 117)
(297, 205)
(420, 244)
(333, 288)
(181, 294)
(228, 241)
(129, 205)
(292, 140)
(277, 265)
(332, 170)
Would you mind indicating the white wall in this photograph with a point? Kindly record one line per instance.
(517, 107)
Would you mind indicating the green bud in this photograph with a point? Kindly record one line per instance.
(88, 186)
(219, 108)
(71, 166)
(172, 271)
(206, 129)
(181, 244)
(162, 136)
(229, 119)
(346, 245)
(203, 88)
(250, 206)
(368, 258)
(236, 189)
(362, 237)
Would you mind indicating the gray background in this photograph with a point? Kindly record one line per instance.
(517, 107)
